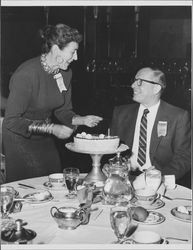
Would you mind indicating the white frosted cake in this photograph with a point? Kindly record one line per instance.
(95, 143)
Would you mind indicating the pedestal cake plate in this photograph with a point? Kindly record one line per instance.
(96, 175)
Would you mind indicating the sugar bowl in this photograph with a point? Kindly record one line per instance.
(68, 217)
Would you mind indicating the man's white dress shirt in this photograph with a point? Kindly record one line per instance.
(150, 122)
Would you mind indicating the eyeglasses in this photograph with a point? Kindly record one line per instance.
(140, 80)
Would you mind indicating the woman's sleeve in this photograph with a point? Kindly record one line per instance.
(17, 104)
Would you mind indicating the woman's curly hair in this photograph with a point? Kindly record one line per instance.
(60, 35)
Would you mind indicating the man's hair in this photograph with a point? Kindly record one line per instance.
(159, 76)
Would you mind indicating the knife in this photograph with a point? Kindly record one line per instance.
(166, 197)
(171, 199)
(24, 185)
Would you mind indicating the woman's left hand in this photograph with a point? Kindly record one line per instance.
(91, 120)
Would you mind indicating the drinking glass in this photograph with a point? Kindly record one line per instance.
(120, 218)
(71, 176)
(7, 198)
(153, 179)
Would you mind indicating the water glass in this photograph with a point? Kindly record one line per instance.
(120, 218)
(71, 176)
(153, 179)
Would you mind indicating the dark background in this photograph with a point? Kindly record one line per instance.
(118, 40)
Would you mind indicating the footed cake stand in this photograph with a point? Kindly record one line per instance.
(96, 175)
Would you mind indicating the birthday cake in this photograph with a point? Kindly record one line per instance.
(96, 143)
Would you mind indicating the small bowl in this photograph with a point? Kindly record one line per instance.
(56, 180)
(146, 237)
(145, 196)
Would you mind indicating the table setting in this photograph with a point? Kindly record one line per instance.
(63, 209)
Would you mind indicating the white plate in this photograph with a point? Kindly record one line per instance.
(152, 219)
(130, 241)
(48, 185)
(157, 204)
(38, 197)
(178, 218)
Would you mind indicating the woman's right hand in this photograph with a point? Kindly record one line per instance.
(61, 131)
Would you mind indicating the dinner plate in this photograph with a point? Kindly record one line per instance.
(130, 241)
(157, 204)
(152, 219)
(38, 197)
(48, 185)
(173, 212)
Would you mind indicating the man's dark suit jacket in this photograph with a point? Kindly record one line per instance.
(171, 154)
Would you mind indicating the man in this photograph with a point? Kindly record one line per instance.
(158, 136)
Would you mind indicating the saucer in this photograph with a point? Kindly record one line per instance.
(157, 204)
(38, 197)
(48, 185)
(152, 219)
(176, 215)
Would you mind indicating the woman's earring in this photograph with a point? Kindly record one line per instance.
(59, 60)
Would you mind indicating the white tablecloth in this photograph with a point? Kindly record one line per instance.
(98, 233)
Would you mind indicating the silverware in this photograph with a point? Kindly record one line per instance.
(173, 238)
(22, 199)
(171, 199)
(24, 185)
(98, 214)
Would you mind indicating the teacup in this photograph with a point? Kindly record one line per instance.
(56, 180)
(146, 196)
(146, 237)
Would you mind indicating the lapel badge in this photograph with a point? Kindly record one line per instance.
(60, 82)
(162, 128)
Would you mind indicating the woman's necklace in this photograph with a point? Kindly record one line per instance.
(46, 67)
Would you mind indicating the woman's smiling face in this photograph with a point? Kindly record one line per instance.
(68, 54)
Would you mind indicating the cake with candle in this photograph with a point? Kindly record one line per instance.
(96, 143)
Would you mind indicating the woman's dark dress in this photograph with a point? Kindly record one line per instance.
(34, 95)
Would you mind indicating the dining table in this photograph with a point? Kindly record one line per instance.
(97, 234)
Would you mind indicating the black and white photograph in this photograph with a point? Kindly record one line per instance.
(95, 137)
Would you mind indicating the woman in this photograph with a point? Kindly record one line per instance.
(40, 89)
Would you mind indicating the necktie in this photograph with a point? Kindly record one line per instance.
(141, 158)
